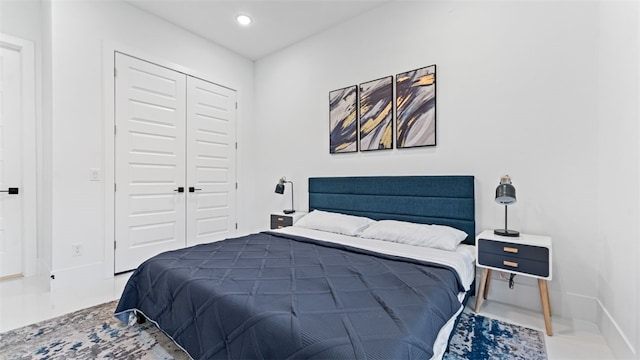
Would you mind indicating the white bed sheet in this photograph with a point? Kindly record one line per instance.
(462, 261)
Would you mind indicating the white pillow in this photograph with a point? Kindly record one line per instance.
(334, 222)
(433, 236)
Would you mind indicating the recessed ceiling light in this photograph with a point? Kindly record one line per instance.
(243, 20)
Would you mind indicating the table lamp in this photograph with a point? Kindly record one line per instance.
(506, 195)
(280, 190)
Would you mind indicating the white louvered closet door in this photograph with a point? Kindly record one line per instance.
(211, 149)
(175, 161)
(150, 164)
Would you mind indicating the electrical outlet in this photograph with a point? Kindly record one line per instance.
(76, 250)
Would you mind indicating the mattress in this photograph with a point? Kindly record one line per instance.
(350, 297)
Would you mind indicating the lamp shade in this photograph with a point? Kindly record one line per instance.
(279, 188)
(505, 192)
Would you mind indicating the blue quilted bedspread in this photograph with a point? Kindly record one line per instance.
(275, 296)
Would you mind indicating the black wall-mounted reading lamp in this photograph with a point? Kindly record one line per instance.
(280, 190)
(506, 195)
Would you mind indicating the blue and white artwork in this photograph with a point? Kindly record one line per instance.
(376, 114)
(416, 108)
(343, 127)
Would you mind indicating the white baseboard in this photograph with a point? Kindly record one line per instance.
(613, 335)
(76, 277)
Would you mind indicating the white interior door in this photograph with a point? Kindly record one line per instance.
(11, 221)
(211, 161)
(149, 161)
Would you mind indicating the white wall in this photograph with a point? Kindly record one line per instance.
(80, 32)
(617, 242)
(516, 94)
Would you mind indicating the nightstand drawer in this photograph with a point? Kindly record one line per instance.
(509, 263)
(280, 221)
(514, 250)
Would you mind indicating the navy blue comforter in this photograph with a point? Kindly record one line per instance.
(275, 296)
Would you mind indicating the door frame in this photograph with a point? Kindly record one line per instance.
(109, 48)
(29, 188)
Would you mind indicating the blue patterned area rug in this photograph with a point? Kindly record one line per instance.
(94, 333)
(479, 337)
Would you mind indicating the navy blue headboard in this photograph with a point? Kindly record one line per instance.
(442, 200)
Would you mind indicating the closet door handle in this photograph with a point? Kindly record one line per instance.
(11, 191)
(193, 189)
(180, 189)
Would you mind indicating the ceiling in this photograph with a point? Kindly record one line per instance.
(276, 24)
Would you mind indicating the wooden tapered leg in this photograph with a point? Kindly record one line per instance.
(546, 308)
(486, 286)
(548, 302)
(483, 283)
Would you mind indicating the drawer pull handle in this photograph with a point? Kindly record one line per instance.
(510, 263)
(510, 250)
(280, 219)
(280, 226)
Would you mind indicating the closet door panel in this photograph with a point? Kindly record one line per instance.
(211, 161)
(150, 161)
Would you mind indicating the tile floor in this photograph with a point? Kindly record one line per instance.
(23, 301)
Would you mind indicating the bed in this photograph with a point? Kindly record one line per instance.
(331, 286)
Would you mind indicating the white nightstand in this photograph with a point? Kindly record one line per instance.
(280, 220)
(526, 255)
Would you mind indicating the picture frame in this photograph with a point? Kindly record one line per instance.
(343, 124)
(416, 108)
(376, 114)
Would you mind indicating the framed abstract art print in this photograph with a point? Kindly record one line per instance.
(343, 125)
(376, 114)
(416, 108)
